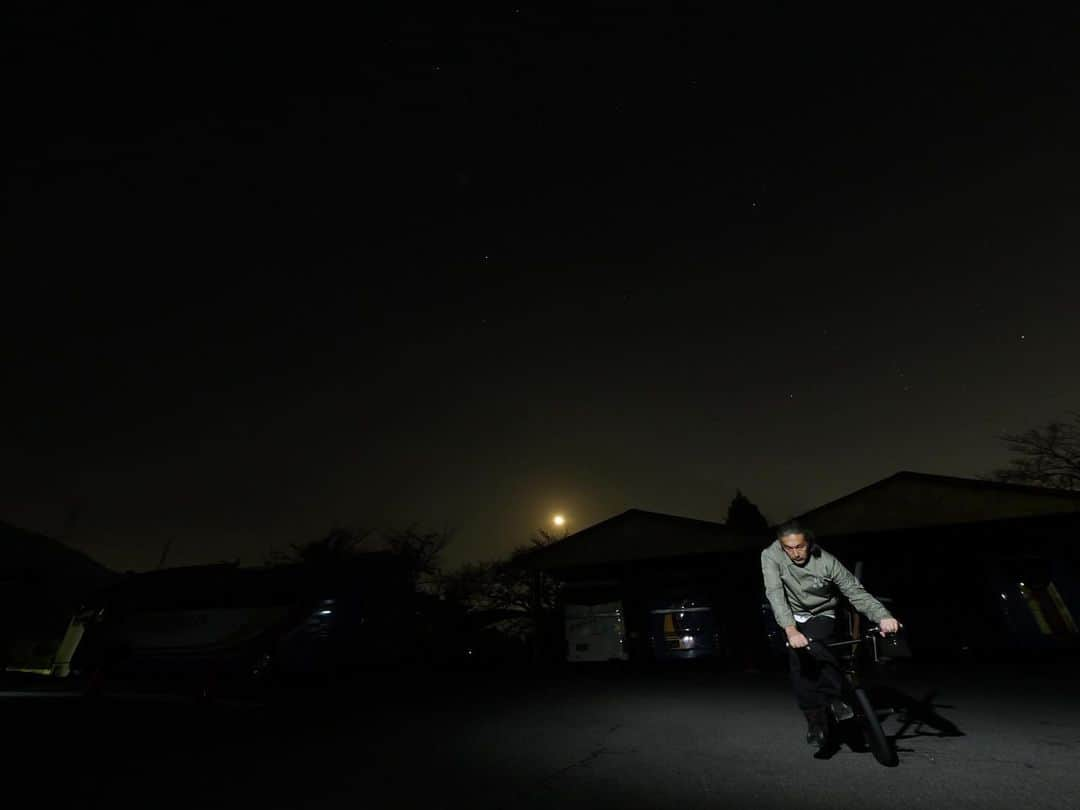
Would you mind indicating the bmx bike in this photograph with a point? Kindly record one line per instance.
(865, 644)
(865, 719)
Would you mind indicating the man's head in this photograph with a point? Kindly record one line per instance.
(796, 542)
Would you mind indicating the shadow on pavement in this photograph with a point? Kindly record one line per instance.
(916, 716)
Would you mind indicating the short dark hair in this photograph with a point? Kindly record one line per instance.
(793, 527)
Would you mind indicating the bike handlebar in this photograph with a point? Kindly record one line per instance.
(866, 634)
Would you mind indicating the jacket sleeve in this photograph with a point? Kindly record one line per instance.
(774, 592)
(856, 594)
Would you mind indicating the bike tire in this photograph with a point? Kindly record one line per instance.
(875, 735)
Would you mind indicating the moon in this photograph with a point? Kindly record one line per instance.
(559, 520)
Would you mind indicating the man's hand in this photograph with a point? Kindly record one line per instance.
(797, 640)
(887, 626)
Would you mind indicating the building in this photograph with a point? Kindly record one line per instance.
(42, 581)
(971, 564)
(226, 626)
(966, 564)
(679, 587)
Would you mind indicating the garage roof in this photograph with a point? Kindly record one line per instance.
(905, 500)
(639, 535)
(909, 500)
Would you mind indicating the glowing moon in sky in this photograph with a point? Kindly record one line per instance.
(559, 520)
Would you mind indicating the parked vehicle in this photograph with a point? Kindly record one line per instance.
(682, 628)
(222, 627)
(595, 632)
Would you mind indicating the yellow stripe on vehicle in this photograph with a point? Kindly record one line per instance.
(1036, 611)
(1062, 608)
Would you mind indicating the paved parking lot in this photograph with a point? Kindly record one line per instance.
(566, 739)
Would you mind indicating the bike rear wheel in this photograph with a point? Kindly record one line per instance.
(875, 735)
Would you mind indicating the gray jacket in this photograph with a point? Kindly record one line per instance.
(812, 588)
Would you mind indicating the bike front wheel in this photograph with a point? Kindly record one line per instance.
(875, 735)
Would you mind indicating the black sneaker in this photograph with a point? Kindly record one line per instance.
(840, 710)
(816, 731)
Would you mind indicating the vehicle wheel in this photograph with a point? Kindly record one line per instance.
(875, 735)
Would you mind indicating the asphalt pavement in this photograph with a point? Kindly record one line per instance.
(974, 736)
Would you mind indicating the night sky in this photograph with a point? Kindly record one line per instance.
(271, 272)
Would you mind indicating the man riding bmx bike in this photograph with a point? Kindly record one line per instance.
(803, 584)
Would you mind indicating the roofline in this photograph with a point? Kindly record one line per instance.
(681, 557)
(63, 544)
(647, 513)
(527, 557)
(664, 516)
(989, 484)
(11, 527)
(942, 479)
(1008, 522)
(1004, 524)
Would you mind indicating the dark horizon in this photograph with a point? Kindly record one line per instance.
(272, 275)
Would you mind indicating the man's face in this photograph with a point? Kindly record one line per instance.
(796, 547)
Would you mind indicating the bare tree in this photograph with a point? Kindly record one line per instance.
(338, 545)
(421, 551)
(521, 596)
(466, 585)
(1047, 456)
(418, 551)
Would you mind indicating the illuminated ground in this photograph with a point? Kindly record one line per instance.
(683, 739)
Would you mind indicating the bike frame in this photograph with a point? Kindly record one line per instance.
(879, 744)
(851, 667)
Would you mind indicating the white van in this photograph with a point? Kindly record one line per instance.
(595, 632)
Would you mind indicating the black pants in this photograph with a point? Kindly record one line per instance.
(815, 672)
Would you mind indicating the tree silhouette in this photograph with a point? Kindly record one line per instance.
(419, 551)
(503, 584)
(744, 517)
(523, 599)
(337, 546)
(1047, 456)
